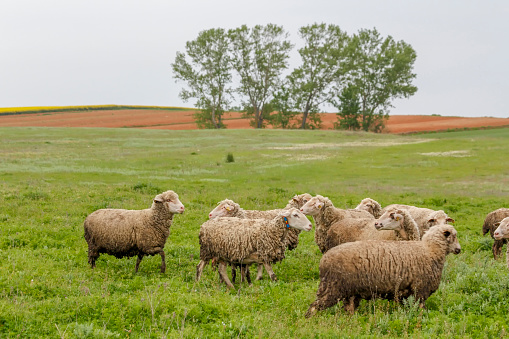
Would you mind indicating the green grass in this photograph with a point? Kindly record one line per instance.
(52, 178)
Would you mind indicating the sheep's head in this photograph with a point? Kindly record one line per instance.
(294, 218)
(438, 218)
(390, 220)
(314, 205)
(225, 208)
(447, 232)
(171, 201)
(502, 231)
(300, 200)
(371, 206)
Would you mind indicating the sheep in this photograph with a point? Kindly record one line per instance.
(247, 241)
(394, 224)
(502, 233)
(489, 226)
(371, 206)
(424, 217)
(229, 208)
(325, 214)
(384, 269)
(127, 233)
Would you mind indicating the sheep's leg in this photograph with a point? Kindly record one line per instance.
(199, 269)
(497, 248)
(259, 274)
(140, 256)
(351, 305)
(92, 256)
(163, 261)
(269, 270)
(248, 275)
(234, 272)
(321, 303)
(222, 274)
(245, 274)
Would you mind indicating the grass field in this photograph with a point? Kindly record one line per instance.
(52, 178)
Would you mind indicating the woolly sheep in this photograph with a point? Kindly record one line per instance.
(424, 217)
(247, 241)
(128, 233)
(501, 233)
(384, 269)
(371, 206)
(325, 214)
(489, 226)
(394, 224)
(229, 208)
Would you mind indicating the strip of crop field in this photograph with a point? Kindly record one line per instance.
(45, 109)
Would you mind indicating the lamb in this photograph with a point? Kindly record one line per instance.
(502, 233)
(325, 214)
(371, 206)
(127, 233)
(394, 224)
(489, 226)
(424, 217)
(384, 269)
(229, 208)
(247, 241)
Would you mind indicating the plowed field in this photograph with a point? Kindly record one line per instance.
(183, 120)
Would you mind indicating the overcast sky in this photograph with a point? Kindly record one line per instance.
(75, 52)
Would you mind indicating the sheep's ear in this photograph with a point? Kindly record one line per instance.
(451, 220)
(228, 208)
(320, 206)
(497, 224)
(158, 199)
(432, 220)
(447, 233)
(285, 213)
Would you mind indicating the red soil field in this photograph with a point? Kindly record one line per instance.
(183, 120)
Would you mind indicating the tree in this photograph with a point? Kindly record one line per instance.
(207, 74)
(283, 109)
(259, 56)
(349, 108)
(323, 54)
(381, 71)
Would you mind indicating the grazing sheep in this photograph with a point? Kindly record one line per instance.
(247, 241)
(371, 206)
(502, 233)
(489, 226)
(126, 233)
(229, 208)
(392, 225)
(325, 214)
(384, 269)
(424, 217)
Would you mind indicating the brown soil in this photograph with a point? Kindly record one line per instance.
(183, 120)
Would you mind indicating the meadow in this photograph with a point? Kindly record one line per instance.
(52, 178)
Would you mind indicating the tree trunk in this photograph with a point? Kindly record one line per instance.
(214, 118)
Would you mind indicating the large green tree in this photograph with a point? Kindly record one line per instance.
(381, 70)
(207, 74)
(260, 55)
(323, 56)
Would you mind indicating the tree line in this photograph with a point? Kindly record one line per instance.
(359, 74)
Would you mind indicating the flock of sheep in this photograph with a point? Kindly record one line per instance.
(368, 252)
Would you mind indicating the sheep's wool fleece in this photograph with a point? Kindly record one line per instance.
(234, 239)
(492, 218)
(368, 269)
(126, 233)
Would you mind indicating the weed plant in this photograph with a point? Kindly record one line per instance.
(52, 178)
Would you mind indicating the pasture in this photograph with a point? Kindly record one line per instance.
(52, 178)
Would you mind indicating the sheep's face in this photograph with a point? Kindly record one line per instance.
(300, 200)
(452, 239)
(366, 205)
(171, 201)
(312, 207)
(390, 220)
(296, 219)
(439, 218)
(225, 208)
(502, 231)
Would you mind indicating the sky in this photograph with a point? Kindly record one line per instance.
(94, 52)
